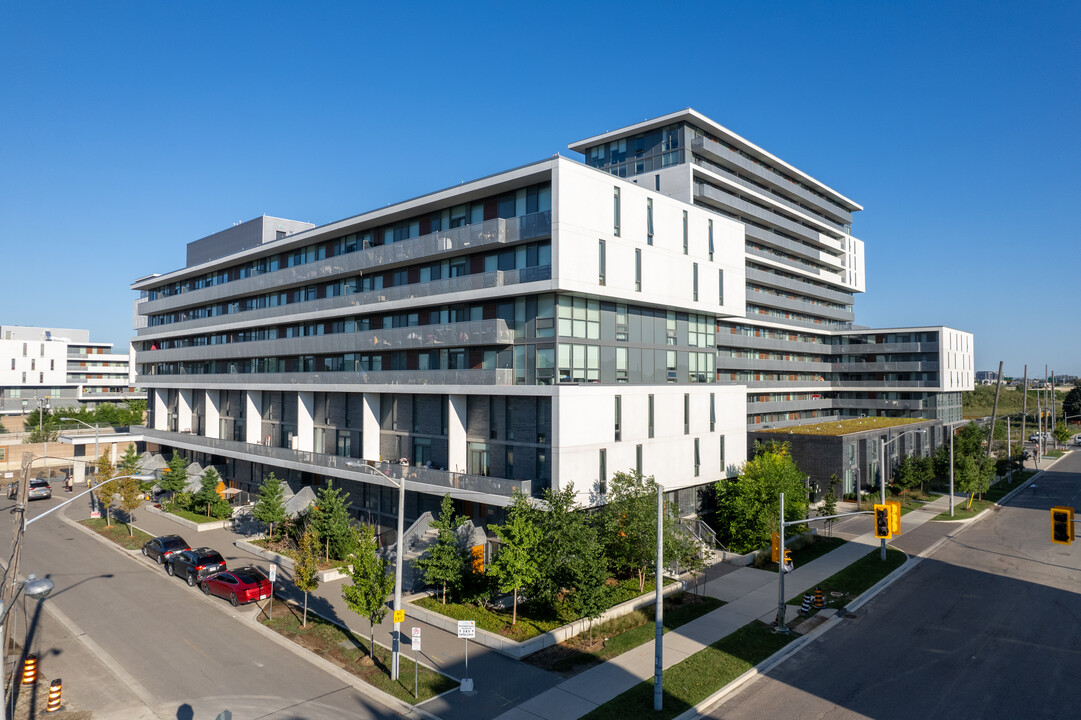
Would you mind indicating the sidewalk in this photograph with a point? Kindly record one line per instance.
(750, 595)
(499, 681)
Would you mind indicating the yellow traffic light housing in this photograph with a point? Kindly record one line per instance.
(882, 522)
(1062, 524)
(895, 516)
(788, 561)
(775, 547)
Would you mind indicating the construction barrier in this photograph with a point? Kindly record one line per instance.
(820, 600)
(806, 608)
(30, 670)
(54, 696)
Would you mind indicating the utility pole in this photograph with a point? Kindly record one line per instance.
(1053, 405)
(882, 479)
(18, 527)
(1024, 406)
(658, 636)
(994, 414)
(781, 609)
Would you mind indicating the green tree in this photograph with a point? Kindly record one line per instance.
(175, 477)
(516, 564)
(924, 468)
(130, 492)
(749, 505)
(207, 498)
(591, 595)
(1061, 433)
(270, 508)
(444, 563)
(565, 531)
(1071, 404)
(306, 566)
(129, 462)
(973, 474)
(107, 487)
(630, 520)
(371, 582)
(330, 518)
(906, 474)
(829, 503)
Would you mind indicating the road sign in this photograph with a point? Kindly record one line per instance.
(415, 643)
(415, 632)
(467, 629)
(273, 575)
(399, 616)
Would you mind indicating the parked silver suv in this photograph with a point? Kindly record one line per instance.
(39, 490)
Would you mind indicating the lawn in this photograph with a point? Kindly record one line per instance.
(118, 533)
(996, 492)
(690, 682)
(189, 515)
(621, 634)
(809, 552)
(532, 621)
(352, 653)
(855, 579)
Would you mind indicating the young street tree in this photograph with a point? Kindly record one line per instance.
(1061, 433)
(371, 582)
(330, 519)
(748, 505)
(107, 487)
(444, 563)
(131, 497)
(306, 567)
(270, 508)
(208, 498)
(565, 532)
(590, 595)
(516, 564)
(630, 519)
(175, 477)
(829, 503)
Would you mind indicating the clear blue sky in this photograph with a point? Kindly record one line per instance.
(129, 129)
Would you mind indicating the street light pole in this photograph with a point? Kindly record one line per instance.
(398, 552)
(92, 503)
(38, 588)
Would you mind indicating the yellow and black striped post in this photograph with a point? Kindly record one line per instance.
(55, 688)
(30, 670)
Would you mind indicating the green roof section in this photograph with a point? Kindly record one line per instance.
(844, 427)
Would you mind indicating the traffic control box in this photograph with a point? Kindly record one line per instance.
(882, 522)
(1062, 524)
(895, 516)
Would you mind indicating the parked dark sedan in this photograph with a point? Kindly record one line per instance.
(243, 585)
(195, 565)
(162, 549)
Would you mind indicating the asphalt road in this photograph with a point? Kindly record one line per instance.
(985, 627)
(133, 643)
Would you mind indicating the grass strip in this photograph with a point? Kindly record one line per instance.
(854, 580)
(194, 517)
(533, 620)
(353, 654)
(693, 680)
(118, 533)
(621, 634)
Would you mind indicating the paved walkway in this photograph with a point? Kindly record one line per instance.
(749, 595)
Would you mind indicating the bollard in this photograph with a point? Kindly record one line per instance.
(806, 607)
(820, 600)
(30, 670)
(54, 696)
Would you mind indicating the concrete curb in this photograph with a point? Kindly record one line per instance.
(403, 709)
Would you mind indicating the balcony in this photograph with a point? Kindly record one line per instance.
(463, 334)
(721, 154)
(326, 381)
(345, 305)
(806, 288)
(456, 241)
(756, 297)
(856, 367)
(830, 263)
(863, 403)
(417, 479)
(762, 408)
(738, 363)
(886, 348)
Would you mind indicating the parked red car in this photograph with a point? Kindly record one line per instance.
(243, 585)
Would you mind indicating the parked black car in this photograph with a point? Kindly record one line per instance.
(195, 565)
(162, 549)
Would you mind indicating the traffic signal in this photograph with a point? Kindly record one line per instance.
(1062, 524)
(775, 547)
(895, 516)
(882, 522)
(788, 567)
